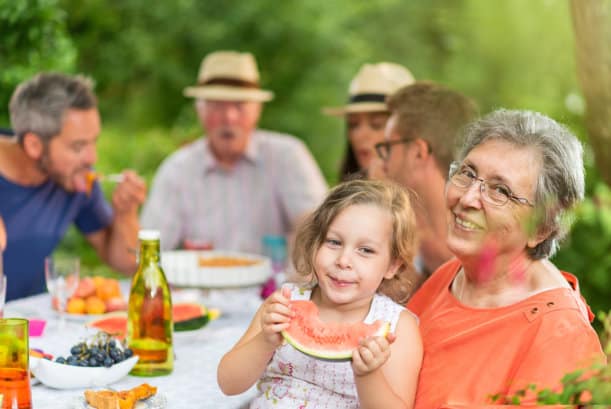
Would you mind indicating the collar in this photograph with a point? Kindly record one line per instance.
(252, 154)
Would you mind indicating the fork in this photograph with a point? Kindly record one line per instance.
(112, 177)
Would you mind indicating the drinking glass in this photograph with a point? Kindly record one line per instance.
(15, 389)
(62, 275)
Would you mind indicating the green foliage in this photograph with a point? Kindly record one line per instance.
(33, 38)
(516, 54)
(587, 252)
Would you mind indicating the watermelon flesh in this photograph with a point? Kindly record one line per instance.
(186, 316)
(333, 340)
(187, 311)
(113, 323)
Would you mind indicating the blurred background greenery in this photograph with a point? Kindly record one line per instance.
(514, 54)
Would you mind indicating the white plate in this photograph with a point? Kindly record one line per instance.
(89, 317)
(154, 402)
(63, 376)
(182, 269)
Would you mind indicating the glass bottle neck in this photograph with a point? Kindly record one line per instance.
(149, 252)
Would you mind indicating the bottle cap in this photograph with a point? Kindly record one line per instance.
(149, 235)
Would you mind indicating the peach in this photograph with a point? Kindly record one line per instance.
(94, 305)
(76, 305)
(116, 304)
(107, 289)
(86, 288)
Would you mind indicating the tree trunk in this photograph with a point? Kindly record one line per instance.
(592, 26)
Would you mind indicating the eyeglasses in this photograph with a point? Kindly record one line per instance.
(383, 148)
(497, 194)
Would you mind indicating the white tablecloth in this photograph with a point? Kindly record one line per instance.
(192, 384)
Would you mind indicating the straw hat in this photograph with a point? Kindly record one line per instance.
(372, 84)
(228, 76)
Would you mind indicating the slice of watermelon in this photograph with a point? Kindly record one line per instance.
(189, 316)
(333, 341)
(114, 323)
(186, 317)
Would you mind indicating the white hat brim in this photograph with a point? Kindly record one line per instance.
(356, 108)
(227, 93)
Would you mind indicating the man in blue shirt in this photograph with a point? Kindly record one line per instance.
(45, 182)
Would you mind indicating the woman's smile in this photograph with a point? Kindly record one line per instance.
(465, 224)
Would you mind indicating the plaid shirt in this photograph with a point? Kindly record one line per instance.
(271, 186)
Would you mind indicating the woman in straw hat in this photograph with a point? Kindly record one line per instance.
(366, 113)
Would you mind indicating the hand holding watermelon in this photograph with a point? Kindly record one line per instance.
(276, 316)
(371, 354)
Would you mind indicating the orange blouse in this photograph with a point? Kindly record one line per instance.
(473, 353)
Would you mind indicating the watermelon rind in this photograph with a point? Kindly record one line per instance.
(322, 353)
(191, 324)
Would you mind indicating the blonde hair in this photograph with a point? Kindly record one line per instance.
(387, 196)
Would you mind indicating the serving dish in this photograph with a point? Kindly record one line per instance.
(215, 268)
(63, 376)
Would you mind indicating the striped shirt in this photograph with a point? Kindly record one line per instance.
(275, 182)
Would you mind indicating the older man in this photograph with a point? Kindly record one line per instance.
(421, 133)
(45, 184)
(240, 183)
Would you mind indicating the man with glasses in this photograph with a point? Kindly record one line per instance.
(421, 134)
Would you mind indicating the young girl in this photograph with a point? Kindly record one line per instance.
(356, 249)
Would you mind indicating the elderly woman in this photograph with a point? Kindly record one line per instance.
(501, 315)
(366, 114)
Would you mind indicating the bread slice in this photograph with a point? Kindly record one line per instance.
(107, 399)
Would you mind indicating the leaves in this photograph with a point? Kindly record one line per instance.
(33, 38)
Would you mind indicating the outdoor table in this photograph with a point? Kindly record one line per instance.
(192, 384)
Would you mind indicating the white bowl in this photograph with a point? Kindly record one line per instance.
(63, 376)
(182, 268)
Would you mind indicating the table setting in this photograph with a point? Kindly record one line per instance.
(217, 280)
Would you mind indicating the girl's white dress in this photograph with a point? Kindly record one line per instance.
(295, 380)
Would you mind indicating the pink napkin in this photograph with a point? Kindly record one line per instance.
(37, 327)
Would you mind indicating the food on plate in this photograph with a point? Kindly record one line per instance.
(102, 350)
(76, 305)
(94, 305)
(186, 317)
(219, 261)
(189, 316)
(113, 324)
(126, 399)
(334, 341)
(95, 295)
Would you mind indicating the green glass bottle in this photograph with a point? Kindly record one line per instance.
(149, 322)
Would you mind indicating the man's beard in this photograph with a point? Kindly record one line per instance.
(45, 165)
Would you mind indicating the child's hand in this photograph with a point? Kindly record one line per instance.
(371, 354)
(276, 316)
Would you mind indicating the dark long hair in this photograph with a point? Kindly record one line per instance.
(350, 167)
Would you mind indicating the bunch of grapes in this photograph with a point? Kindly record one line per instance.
(103, 350)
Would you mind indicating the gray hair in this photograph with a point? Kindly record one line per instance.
(39, 104)
(560, 185)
